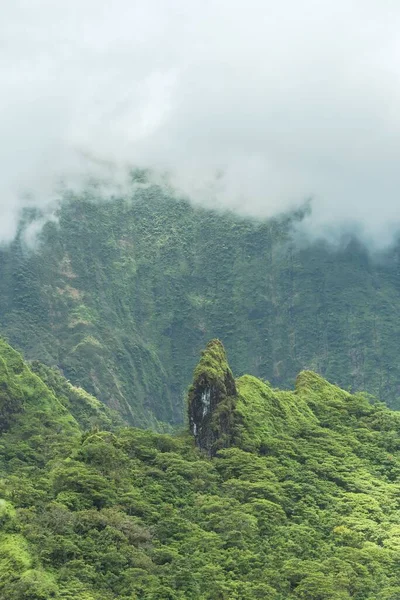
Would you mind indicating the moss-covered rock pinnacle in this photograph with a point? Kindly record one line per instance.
(211, 400)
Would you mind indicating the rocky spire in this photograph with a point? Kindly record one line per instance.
(211, 401)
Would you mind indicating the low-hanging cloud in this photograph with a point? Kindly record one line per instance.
(251, 105)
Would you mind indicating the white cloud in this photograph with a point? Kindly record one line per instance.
(254, 105)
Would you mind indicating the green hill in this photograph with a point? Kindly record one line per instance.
(299, 499)
(121, 296)
(41, 411)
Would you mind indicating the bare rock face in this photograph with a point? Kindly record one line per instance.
(212, 399)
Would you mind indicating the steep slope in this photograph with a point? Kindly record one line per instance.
(87, 410)
(301, 502)
(30, 413)
(41, 413)
(122, 296)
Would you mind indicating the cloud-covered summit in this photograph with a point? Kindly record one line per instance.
(253, 105)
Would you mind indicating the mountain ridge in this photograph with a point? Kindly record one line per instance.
(121, 296)
(301, 503)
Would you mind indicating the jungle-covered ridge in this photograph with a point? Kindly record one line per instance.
(122, 296)
(299, 501)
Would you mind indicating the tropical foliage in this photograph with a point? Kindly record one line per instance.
(123, 295)
(302, 505)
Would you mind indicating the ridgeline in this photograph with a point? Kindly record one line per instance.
(122, 296)
(285, 495)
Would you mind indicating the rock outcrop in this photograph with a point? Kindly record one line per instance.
(212, 399)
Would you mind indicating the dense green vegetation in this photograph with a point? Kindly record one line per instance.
(302, 503)
(121, 296)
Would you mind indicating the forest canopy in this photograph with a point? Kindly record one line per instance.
(302, 502)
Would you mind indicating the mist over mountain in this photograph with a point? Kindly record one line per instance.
(122, 295)
(253, 106)
(181, 184)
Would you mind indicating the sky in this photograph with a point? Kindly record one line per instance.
(253, 105)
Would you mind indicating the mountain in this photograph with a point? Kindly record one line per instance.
(294, 497)
(122, 295)
(41, 410)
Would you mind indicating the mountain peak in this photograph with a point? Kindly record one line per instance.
(211, 399)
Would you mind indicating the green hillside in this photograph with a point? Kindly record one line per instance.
(40, 410)
(300, 501)
(121, 296)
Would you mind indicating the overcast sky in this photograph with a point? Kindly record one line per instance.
(254, 104)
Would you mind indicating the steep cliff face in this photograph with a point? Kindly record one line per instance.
(212, 399)
(122, 296)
